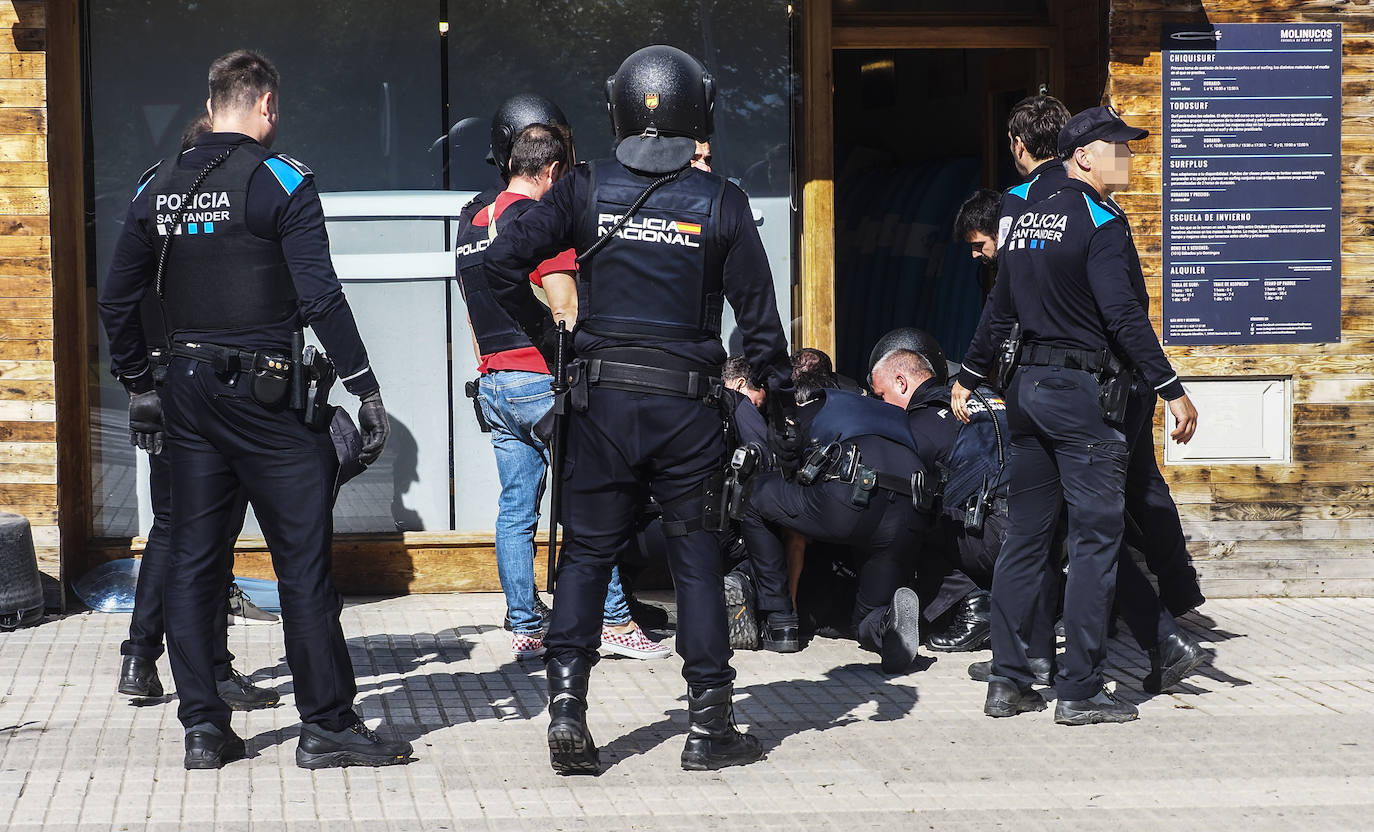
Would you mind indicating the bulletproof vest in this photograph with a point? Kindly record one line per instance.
(218, 274)
(974, 454)
(493, 327)
(847, 417)
(659, 278)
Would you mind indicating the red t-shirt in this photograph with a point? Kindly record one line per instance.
(528, 359)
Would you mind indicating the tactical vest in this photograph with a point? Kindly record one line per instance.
(845, 417)
(493, 327)
(660, 277)
(218, 274)
(974, 454)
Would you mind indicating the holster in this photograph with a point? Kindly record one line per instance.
(470, 389)
(1007, 358)
(578, 385)
(743, 463)
(320, 375)
(1113, 389)
(715, 503)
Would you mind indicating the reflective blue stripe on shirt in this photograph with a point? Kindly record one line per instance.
(1101, 216)
(1022, 191)
(289, 177)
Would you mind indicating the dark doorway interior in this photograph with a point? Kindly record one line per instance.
(916, 132)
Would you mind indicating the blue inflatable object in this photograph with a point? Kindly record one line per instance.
(261, 592)
(110, 588)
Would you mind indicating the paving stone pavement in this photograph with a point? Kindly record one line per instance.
(1276, 734)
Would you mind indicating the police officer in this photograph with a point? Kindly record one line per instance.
(857, 486)
(957, 563)
(138, 670)
(1067, 277)
(1033, 130)
(661, 246)
(514, 390)
(231, 238)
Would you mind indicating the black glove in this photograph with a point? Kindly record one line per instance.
(372, 419)
(145, 421)
(784, 434)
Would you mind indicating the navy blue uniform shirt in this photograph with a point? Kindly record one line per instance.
(1047, 179)
(1070, 274)
(932, 422)
(282, 206)
(551, 227)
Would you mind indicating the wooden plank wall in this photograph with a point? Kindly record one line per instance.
(28, 408)
(1307, 528)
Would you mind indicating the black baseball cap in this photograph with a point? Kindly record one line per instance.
(1093, 124)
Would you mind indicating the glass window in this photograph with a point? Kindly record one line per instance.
(363, 105)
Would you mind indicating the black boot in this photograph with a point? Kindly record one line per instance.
(971, 628)
(901, 631)
(138, 677)
(571, 747)
(781, 633)
(356, 745)
(1006, 699)
(713, 741)
(209, 747)
(1175, 657)
(242, 695)
(1104, 706)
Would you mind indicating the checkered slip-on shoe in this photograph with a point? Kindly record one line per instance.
(634, 644)
(527, 645)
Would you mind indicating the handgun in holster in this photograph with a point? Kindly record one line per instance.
(320, 376)
(1008, 357)
(1113, 388)
(471, 390)
(922, 498)
(818, 463)
(743, 463)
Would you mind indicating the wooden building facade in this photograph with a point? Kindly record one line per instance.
(1303, 526)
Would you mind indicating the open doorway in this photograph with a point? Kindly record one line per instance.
(916, 131)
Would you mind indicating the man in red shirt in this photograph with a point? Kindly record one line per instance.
(515, 391)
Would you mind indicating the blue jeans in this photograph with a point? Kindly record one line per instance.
(513, 401)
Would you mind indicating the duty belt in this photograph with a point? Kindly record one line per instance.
(1092, 361)
(847, 467)
(689, 381)
(231, 359)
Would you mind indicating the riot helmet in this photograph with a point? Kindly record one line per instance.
(515, 114)
(660, 102)
(916, 340)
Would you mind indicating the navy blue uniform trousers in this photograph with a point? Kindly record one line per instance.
(1061, 452)
(146, 624)
(221, 441)
(621, 445)
(884, 535)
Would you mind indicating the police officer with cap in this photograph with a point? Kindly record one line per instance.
(957, 562)
(1067, 270)
(231, 238)
(661, 246)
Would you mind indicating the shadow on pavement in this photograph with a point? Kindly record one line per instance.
(778, 710)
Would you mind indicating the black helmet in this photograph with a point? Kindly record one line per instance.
(515, 114)
(660, 103)
(916, 340)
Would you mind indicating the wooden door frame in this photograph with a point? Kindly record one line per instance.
(821, 36)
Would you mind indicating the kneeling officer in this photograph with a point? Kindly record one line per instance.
(661, 245)
(859, 485)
